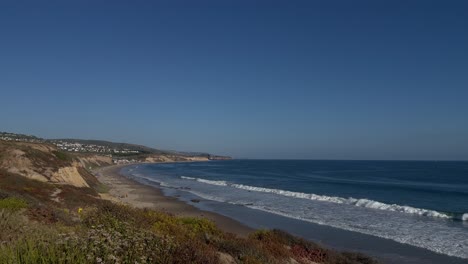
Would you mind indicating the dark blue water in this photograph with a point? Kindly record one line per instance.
(424, 204)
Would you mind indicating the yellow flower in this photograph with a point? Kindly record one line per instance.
(80, 210)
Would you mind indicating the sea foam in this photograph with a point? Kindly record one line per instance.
(367, 203)
(464, 217)
(219, 183)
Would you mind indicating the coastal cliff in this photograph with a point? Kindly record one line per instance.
(44, 163)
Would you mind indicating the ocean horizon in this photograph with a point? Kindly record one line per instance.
(418, 203)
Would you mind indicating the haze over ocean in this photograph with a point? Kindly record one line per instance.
(254, 79)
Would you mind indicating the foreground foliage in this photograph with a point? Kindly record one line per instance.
(13, 203)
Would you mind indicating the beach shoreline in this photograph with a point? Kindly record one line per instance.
(127, 191)
(242, 220)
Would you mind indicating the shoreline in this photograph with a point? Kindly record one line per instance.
(234, 220)
(128, 191)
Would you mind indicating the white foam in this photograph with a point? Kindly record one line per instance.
(397, 208)
(351, 201)
(464, 217)
(367, 203)
(219, 183)
(163, 184)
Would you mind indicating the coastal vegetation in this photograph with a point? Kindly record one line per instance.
(43, 220)
(111, 233)
(12, 203)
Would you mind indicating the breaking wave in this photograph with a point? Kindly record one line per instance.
(367, 203)
(218, 183)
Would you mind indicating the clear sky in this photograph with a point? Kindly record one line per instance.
(256, 79)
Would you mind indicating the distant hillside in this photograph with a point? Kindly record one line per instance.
(113, 145)
(103, 147)
(19, 137)
(130, 149)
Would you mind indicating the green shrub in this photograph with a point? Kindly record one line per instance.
(62, 156)
(32, 251)
(12, 203)
(101, 188)
(199, 226)
(167, 225)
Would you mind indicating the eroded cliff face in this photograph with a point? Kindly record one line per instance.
(44, 163)
(69, 175)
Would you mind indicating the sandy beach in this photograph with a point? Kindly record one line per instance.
(128, 191)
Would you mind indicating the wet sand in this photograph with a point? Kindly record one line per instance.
(128, 191)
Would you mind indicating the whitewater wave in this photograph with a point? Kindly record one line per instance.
(367, 203)
(218, 183)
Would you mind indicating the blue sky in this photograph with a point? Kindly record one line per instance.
(255, 79)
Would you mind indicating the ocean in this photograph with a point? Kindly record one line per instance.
(418, 203)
